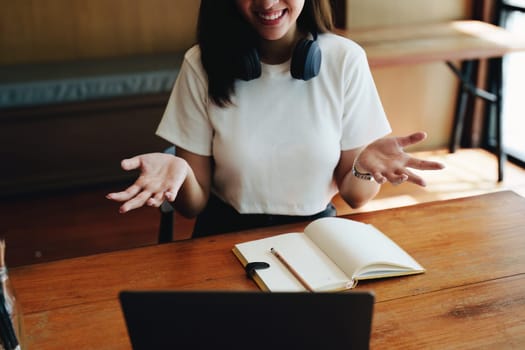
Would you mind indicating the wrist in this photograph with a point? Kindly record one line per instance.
(359, 174)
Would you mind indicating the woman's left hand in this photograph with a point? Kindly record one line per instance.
(386, 160)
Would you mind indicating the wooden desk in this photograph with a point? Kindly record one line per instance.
(472, 295)
(464, 41)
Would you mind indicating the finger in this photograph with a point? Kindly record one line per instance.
(170, 196)
(136, 202)
(415, 179)
(380, 179)
(126, 195)
(424, 164)
(416, 137)
(397, 178)
(156, 200)
(171, 193)
(130, 163)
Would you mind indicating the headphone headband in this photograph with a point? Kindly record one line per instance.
(305, 64)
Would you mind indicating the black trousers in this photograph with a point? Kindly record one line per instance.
(219, 217)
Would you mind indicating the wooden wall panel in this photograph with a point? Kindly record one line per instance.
(362, 13)
(54, 30)
(417, 97)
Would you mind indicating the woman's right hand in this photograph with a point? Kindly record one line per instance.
(161, 177)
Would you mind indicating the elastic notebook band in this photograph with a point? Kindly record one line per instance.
(257, 265)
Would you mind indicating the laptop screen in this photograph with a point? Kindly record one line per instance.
(247, 320)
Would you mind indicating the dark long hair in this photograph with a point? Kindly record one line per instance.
(224, 36)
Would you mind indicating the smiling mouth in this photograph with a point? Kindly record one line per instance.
(271, 16)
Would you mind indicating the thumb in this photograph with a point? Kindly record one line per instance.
(411, 139)
(130, 163)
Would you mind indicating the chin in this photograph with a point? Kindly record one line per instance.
(271, 34)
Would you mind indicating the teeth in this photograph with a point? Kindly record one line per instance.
(272, 16)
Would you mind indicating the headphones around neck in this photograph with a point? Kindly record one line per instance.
(305, 65)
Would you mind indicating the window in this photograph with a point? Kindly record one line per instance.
(513, 84)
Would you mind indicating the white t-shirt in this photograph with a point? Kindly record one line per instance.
(276, 147)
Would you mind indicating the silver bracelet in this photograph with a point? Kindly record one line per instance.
(362, 176)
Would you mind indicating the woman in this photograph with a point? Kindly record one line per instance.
(272, 115)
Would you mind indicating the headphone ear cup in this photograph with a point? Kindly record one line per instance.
(250, 65)
(306, 60)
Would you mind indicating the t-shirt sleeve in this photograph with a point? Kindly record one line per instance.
(364, 118)
(185, 121)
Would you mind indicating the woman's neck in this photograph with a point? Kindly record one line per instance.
(279, 51)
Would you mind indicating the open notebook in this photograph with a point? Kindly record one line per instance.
(247, 320)
(332, 254)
